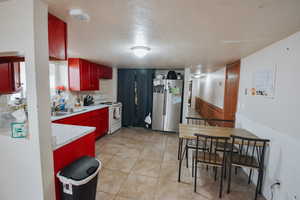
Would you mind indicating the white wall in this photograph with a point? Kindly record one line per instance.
(187, 77)
(210, 88)
(276, 119)
(26, 165)
(195, 91)
(109, 87)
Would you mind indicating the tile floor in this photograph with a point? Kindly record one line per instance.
(140, 164)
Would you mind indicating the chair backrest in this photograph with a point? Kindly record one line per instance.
(209, 122)
(210, 142)
(251, 151)
(221, 122)
(197, 121)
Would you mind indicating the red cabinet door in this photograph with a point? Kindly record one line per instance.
(57, 38)
(6, 78)
(10, 77)
(85, 75)
(98, 119)
(106, 72)
(103, 121)
(94, 76)
(109, 73)
(75, 120)
(99, 71)
(74, 73)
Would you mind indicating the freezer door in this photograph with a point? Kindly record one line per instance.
(158, 108)
(173, 105)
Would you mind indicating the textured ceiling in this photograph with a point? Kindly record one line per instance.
(179, 32)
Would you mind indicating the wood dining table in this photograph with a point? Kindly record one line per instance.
(188, 131)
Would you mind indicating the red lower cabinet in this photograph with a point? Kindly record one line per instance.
(67, 154)
(103, 127)
(96, 118)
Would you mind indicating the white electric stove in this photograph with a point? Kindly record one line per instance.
(115, 116)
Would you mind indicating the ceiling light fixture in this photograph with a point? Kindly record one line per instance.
(79, 14)
(140, 51)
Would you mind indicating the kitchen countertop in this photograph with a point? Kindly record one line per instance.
(64, 134)
(86, 109)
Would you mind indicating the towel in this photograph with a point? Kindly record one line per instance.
(117, 113)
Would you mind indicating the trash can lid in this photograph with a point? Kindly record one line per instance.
(81, 168)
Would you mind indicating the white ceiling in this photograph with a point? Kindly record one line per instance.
(179, 32)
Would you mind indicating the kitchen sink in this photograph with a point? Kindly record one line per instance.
(79, 110)
(63, 113)
(58, 114)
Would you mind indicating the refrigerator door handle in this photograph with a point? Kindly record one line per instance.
(165, 102)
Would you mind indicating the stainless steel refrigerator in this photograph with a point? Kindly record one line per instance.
(167, 102)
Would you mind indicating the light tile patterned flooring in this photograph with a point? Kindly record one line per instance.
(140, 164)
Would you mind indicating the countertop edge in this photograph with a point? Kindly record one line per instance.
(89, 109)
(84, 133)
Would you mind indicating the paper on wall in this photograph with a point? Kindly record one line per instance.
(20, 115)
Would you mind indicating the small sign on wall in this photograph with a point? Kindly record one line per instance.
(263, 83)
(18, 130)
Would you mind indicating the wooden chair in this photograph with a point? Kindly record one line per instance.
(221, 146)
(221, 122)
(251, 154)
(191, 144)
(210, 157)
(197, 121)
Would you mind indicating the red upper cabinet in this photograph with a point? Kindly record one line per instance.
(57, 36)
(82, 75)
(106, 72)
(10, 77)
(94, 76)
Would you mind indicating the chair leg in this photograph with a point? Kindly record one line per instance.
(216, 171)
(193, 163)
(261, 182)
(225, 169)
(195, 178)
(236, 170)
(179, 147)
(221, 184)
(229, 178)
(250, 175)
(178, 152)
(187, 156)
(258, 185)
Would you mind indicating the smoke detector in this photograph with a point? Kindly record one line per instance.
(79, 14)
